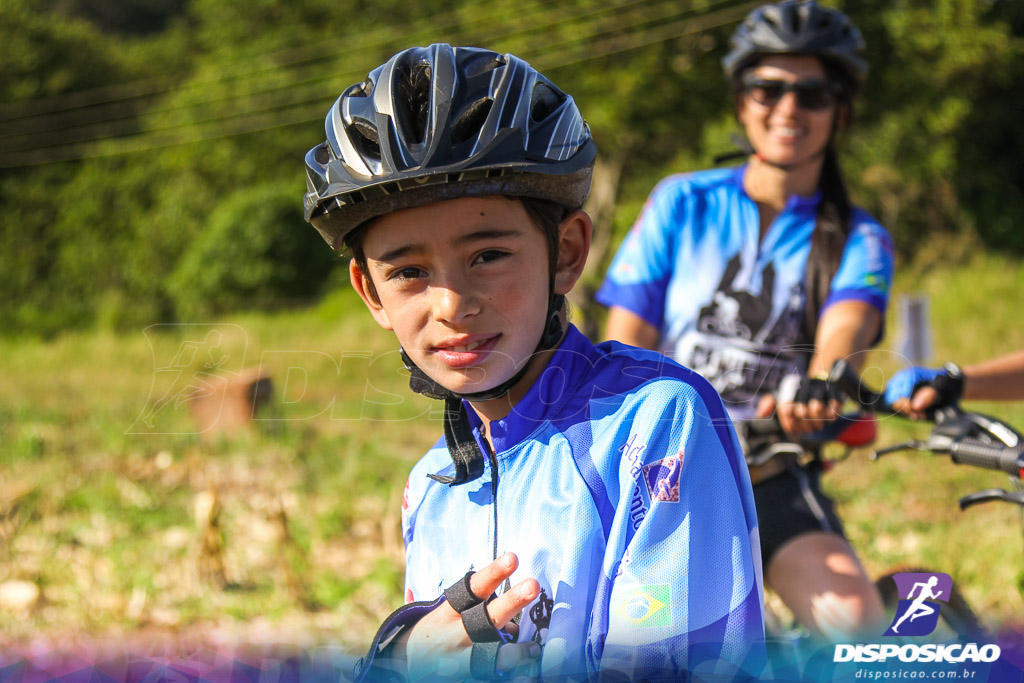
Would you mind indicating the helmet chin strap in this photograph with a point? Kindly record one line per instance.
(458, 432)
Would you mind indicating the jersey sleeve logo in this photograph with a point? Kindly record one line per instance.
(662, 478)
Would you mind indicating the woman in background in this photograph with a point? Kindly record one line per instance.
(760, 277)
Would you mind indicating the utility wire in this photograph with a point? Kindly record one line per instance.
(67, 114)
(679, 29)
(292, 92)
(160, 85)
(293, 113)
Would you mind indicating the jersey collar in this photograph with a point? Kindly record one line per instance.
(570, 365)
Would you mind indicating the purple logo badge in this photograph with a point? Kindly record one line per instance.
(918, 614)
(662, 478)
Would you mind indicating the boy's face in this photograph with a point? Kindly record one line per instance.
(464, 285)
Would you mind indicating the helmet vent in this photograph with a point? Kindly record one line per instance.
(792, 20)
(365, 138)
(481, 66)
(364, 89)
(321, 155)
(470, 120)
(415, 86)
(545, 102)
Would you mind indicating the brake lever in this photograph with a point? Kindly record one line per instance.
(988, 495)
(937, 443)
(905, 446)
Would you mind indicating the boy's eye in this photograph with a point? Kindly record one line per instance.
(409, 273)
(490, 255)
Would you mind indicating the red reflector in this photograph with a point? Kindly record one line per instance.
(861, 432)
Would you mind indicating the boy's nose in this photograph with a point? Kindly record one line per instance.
(454, 304)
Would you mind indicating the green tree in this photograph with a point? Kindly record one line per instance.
(131, 138)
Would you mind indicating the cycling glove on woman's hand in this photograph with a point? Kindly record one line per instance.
(806, 404)
(819, 389)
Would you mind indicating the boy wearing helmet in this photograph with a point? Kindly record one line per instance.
(587, 509)
(760, 277)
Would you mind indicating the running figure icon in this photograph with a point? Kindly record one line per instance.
(919, 608)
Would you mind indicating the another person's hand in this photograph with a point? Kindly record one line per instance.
(815, 403)
(439, 644)
(916, 391)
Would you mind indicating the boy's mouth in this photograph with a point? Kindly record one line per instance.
(465, 351)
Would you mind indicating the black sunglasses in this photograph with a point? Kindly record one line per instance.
(813, 95)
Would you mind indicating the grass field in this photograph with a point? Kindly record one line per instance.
(119, 521)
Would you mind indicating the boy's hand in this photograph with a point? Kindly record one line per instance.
(438, 644)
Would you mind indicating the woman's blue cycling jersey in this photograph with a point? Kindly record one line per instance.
(619, 483)
(729, 304)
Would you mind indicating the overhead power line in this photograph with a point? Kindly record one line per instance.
(300, 103)
(243, 66)
(129, 124)
(288, 88)
(615, 44)
(23, 120)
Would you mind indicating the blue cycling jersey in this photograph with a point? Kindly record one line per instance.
(729, 304)
(619, 483)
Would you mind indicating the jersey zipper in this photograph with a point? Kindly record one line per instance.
(494, 496)
(494, 491)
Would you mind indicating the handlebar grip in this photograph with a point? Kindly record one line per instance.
(846, 378)
(987, 456)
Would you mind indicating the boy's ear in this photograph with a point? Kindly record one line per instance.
(574, 235)
(361, 283)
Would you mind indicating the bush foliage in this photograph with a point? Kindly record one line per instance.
(151, 158)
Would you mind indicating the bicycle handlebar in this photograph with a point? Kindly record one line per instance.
(987, 456)
(846, 378)
(1000, 447)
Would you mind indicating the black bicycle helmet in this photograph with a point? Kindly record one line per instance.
(442, 122)
(798, 28)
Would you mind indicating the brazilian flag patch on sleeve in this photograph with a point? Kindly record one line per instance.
(647, 606)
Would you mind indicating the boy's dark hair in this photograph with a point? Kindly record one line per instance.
(545, 214)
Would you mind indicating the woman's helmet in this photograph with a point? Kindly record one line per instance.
(798, 28)
(442, 122)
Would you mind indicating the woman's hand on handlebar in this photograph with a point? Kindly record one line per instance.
(801, 415)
